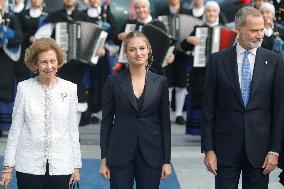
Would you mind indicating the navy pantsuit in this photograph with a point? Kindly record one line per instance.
(131, 135)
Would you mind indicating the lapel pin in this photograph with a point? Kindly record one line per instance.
(265, 62)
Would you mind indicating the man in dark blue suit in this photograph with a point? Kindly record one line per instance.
(243, 108)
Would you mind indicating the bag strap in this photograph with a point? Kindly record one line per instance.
(74, 185)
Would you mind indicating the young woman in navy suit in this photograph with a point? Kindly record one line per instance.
(135, 128)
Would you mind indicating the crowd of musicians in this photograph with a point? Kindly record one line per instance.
(21, 22)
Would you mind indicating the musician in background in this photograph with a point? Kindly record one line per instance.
(279, 10)
(73, 71)
(83, 4)
(18, 6)
(212, 10)
(30, 20)
(135, 136)
(101, 15)
(177, 71)
(198, 12)
(10, 39)
(69, 13)
(143, 16)
(198, 9)
(257, 3)
(272, 29)
(197, 75)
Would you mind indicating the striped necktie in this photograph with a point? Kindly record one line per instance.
(246, 78)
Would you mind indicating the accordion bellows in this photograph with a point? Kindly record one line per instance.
(80, 40)
(160, 42)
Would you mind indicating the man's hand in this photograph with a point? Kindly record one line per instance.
(210, 160)
(270, 163)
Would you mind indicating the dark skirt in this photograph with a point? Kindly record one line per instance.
(6, 109)
(193, 111)
(193, 116)
(176, 72)
(7, 77)
(21, 70)
(47, 181)
(7, 91)
(98, 77)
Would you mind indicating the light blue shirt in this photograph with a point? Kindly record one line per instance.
(240, 57)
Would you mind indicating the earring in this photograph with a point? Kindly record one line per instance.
(150, 62)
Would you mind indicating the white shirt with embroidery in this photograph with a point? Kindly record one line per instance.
(44, 127)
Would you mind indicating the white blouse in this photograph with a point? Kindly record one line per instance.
(44, 127)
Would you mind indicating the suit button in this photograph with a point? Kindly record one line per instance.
(138, 116)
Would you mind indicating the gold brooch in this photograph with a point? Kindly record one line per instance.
(63, 95)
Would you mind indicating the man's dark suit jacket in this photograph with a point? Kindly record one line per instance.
(123, 125)
(227, 126)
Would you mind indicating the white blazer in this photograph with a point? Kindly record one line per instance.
(44, 127)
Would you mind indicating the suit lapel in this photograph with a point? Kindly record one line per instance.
(149, 91)
(258, 72)
(231, 68)
(126, 86)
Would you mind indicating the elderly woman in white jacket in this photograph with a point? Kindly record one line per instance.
(43, 143)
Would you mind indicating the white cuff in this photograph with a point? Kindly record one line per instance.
(274, 153)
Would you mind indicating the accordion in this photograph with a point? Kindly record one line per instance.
(180, 26)
(212, 40)
(161, 42)
(80, 40)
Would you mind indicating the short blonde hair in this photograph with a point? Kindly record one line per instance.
(39, 46)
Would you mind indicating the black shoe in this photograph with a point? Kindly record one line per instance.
(180, 120)
(95, 120)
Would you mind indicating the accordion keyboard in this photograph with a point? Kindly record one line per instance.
(61, 37)
(200, 50)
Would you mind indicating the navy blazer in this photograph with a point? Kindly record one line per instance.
(123, 126)
(227, 125)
